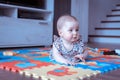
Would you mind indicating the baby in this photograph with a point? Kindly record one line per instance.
(68, 48)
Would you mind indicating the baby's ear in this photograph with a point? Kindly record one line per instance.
(55, 37)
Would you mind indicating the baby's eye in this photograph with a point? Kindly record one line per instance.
(77, 30)
(70, 30)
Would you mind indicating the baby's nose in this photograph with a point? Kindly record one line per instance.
(74, 32)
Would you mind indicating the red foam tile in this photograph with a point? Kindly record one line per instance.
(11, 66)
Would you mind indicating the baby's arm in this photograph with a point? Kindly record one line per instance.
(58, 57)
(83, 55)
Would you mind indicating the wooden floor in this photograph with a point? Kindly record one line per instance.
(92, 45)
(113, 75)
(104, 45)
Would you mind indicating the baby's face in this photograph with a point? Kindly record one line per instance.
(70, 31)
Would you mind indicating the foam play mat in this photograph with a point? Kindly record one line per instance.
(35, 62)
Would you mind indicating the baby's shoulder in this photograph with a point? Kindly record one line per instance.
(56, 38)
(79, 43)
(57, 41)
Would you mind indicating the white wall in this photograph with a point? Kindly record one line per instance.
(79, 9)
(98, 9)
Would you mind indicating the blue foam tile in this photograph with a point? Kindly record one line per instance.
(25, 65)
(17, 58)
(80, 66)
(33, 55)
(4, 58)
(101, 66)
(1, 53)
(43, 59)
(21, 51)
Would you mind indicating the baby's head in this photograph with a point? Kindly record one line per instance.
(68, 25)
(66, 18)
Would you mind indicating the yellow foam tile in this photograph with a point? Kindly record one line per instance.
(74, 73)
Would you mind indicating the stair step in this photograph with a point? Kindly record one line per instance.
(116, 10)
(118, 7)
(108, 31)
(117, 21)
(113, 17)
(104, 39)
(115, 13)
(110, 25)
(102, 28)
(106, 36)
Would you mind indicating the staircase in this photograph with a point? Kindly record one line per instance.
(109, 32)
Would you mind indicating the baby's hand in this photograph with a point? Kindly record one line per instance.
(81, 57)
(69, 63)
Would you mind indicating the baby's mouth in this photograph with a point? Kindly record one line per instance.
(75, 38)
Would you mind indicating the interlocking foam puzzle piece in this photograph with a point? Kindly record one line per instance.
(25, 65)
(100, 66)
(113, 60)
(102, 63)
(17, 66)
(37, 60)
(58, 72)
